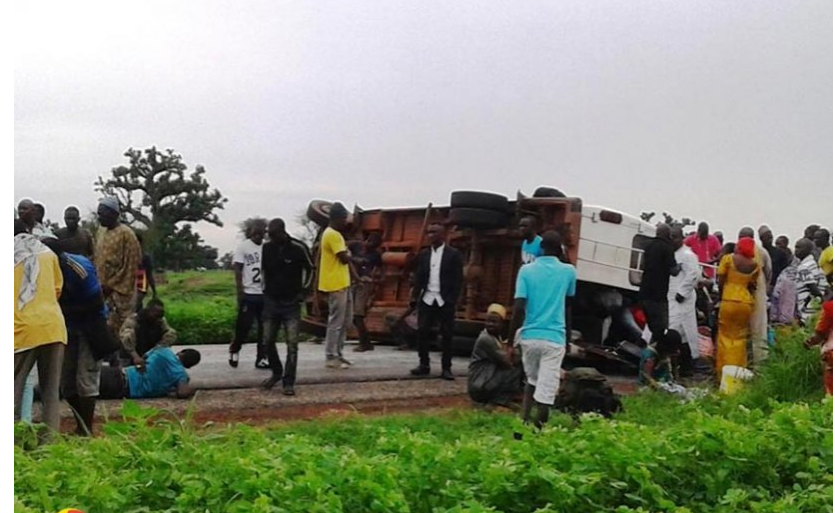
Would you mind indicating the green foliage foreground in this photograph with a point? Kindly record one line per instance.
(712, 456)
(768, 449)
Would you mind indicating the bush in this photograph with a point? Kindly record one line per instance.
(201, 306)
(703, 457)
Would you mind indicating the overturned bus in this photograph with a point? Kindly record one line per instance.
(605, 245)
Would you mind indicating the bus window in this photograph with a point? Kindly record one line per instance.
(636, 263)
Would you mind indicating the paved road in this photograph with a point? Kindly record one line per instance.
(384, 363)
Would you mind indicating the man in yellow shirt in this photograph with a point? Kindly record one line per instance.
(39, 331)
(822, 242)
(335, 281)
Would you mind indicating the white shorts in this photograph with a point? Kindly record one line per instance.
(542, 361)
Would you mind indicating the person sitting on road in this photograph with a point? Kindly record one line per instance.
(142, 331)
(656, 360)
(495, 375)
(164, 373)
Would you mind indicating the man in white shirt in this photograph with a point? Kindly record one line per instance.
(438, 282)
(811, 281)
(681, 296)
(247, 265)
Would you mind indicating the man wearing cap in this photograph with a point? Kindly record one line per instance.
(495, 375)
(117, 256)
(335, 281)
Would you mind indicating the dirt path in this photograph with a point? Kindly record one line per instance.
(256, 407)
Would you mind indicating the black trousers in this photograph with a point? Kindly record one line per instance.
(249, 312)
(113, 383)
(276, 316)
(658, 317)
(428, 316)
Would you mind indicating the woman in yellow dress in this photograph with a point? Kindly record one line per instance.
(737, 277)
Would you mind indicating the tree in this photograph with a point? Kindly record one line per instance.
(225, 261)
(156, 193)
(185, 249)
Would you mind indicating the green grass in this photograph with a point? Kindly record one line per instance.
(707, 458)
(201, 306)
(768, 449)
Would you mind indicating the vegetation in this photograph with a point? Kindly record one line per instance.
(157, 195)
(201, 306)
(746, 453)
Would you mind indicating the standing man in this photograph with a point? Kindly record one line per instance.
(779, 259)
(811, 281)
(825, 259)
(782, 243)
(706, 247)
(659, 264)
(144, 276)
(759, 317)
(438, 281)
(368, 262)
(247, 265)
(27, 214)
(88, 341)
(287, 271)
(531, 242)
(335, 281)
(720, 237)
(117, 257)
(682, 295)
(74, 239)
(543, 310)
(809, 234)
(39, 331)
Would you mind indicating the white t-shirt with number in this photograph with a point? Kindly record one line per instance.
(249, 254)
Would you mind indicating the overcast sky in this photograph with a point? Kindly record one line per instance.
(720, 110)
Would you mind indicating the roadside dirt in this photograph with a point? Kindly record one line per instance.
(258, 407)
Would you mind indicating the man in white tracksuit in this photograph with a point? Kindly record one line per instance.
(681, 296)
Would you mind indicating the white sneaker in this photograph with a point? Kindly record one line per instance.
(344, 365)
(333, 363)
(345, 361)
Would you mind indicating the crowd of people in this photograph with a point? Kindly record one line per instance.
(751, 289)
(80, 301)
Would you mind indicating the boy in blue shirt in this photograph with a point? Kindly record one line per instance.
(164, 373)
(543, 309)
(531, 242)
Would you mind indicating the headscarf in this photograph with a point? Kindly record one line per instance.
(26, 250)
(110, 202)
(497, 309)
(746, 247)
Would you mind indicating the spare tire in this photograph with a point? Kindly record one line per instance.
(548, 192)
(478, 218)
(319, 211)
(477, 199)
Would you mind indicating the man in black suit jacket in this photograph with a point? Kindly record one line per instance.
(438, 281)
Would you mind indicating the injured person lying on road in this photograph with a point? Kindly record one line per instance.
(164, 374)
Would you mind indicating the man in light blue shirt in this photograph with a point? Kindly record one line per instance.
(531, 242)
(543, 310)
